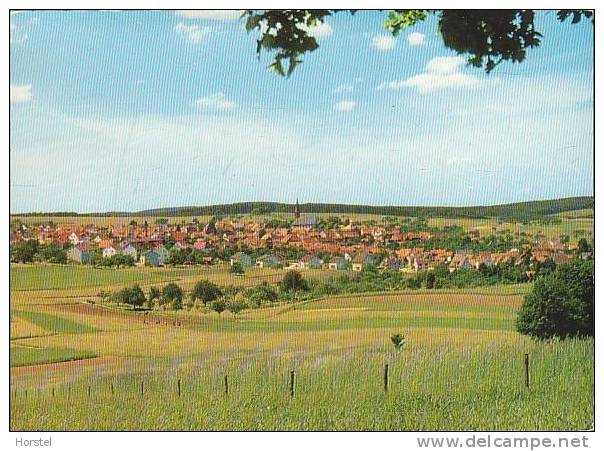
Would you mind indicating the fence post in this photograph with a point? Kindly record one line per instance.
(112, 388)
(292, 383)
(53, 392)
(386, 378)
(526, 369)
(226, 385)
(89, 391)
(142, 387)
(179, 387)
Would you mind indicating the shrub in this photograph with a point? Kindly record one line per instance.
(237, 269)
(219, 305)
(293, 281)
(236, 305)
(398, 340)
(23, 251)
(261, 293)
(430, 279)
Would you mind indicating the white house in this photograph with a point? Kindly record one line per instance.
(109, 251)
(128, 249)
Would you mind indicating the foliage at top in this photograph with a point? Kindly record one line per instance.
(485, 37)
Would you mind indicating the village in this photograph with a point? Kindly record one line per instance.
(303, 242)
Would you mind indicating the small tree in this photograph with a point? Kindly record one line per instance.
(237, 269)
(293, 281)
(133, 296)
(172, 294)
(219, 305)
(398, 341)
(205, 291)
(430, 279)
(236, 305)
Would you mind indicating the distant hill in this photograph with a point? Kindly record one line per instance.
(520, 211)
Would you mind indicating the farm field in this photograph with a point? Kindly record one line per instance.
(83, 366)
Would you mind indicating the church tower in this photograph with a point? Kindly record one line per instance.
(297, 210)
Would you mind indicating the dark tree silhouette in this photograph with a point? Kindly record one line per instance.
(485, 37)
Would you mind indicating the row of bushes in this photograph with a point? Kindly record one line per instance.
(207, 294)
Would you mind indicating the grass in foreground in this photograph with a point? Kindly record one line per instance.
(478, 388)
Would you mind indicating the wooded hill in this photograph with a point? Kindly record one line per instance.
(520, 211)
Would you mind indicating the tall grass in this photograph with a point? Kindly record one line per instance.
(441, 388)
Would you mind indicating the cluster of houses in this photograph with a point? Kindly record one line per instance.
(351, 246)
(405, 260)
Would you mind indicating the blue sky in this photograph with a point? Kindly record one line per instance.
(134, 110)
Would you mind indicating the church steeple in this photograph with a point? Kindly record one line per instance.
(297, 210)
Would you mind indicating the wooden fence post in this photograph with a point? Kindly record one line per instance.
(292, 383)
(53, 392)
(526, 369)
(179, 387)
(386, 378)
(226, 385)
(142, 388)
(89, 391)
(112, 388)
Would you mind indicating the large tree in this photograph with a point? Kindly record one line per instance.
(485, 37)
(561, 303)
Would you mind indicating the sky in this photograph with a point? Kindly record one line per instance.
(130, 110)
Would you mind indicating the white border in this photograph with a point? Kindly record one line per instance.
(272, 440)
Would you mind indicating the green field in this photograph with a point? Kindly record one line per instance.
(52, 323)
(21, 356)
(460, 368)
(61, 277)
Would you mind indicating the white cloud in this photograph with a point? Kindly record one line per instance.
(383, 42)
(218, 15)
(345, 105)
(416, 38)
(193, 33)
(217, 101)
(343, 88)
(20, 94)
(444, 64)
(441, 72)
(320, 30)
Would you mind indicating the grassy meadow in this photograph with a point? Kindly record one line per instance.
(78, 365)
